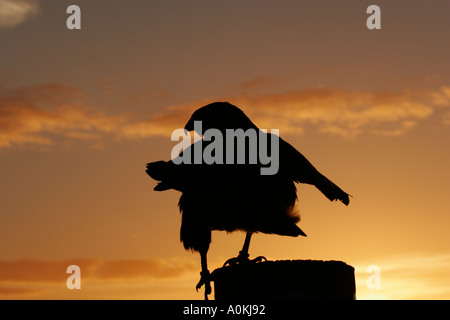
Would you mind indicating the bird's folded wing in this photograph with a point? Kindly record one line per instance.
(297, 167)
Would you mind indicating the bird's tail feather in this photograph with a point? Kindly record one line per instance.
(287, 229)
(332, 191)
(157, 170)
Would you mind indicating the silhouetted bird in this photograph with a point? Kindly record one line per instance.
(233, 197)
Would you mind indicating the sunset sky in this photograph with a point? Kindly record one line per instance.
(83, 111)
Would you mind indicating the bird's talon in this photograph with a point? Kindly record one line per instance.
(231, 262)
(259, 259)
(205, 279)
(241, 259)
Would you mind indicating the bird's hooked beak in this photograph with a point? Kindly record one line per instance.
(189, 125)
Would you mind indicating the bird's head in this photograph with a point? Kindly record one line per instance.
(221, 116)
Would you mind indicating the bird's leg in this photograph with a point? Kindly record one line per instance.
(243, 254)
(205, 278)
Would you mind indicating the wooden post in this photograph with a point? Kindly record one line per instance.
(285, 280)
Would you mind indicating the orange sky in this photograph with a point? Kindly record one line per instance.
(82, 112)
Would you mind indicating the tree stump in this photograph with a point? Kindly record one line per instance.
(285, 280)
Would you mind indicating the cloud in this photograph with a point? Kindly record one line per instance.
(333, 111)
(33, 271)
(340, 112)
(15, 12)
(408, 276)
(441, 97)
(36, 115)
(7, 291)
(100, 279)
(163, 123)
(46, 114)
(403, 276)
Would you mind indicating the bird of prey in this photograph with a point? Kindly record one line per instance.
(229, 197)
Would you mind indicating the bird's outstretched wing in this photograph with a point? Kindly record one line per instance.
(297, 167)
